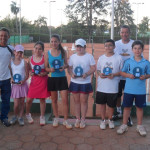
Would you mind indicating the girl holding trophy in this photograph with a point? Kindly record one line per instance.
(55, 64)
(38, 86)
(81, 67)
(19, 69)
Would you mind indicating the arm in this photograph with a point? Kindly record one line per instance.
(70, 71)
(46, 63)
(26, 72)
(91, 71)
(127, 75)
(65, 63)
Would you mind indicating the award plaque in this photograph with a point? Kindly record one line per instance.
(78, 71)
(37, 69)
(107, 71)
(56, 64)
(137, 72)
(17, 78)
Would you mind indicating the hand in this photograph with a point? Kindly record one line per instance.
(52, 70)
(41, 74)
(84, 76)
(102, 75)
(142, 77)
(73, 76)
(61, 68)
(31, 73)
(110, 76)
(131, 76)
(12, 80)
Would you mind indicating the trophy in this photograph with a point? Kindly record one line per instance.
(37, 69)
(78, 71)
(17, 79)
(56, 64)
(137, 72)
(107, 71)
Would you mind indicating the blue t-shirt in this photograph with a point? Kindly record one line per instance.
(57, 73)
(136, 86)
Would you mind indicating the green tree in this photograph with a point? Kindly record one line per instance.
(15, 11)
(40, 22)
(84, 11)
(144, 26)
(123, 14)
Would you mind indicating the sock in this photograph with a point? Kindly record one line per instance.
(119, 110)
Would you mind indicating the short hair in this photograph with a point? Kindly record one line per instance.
(110, 40)
(125, 26)
(40, 43)
(5, 29)
(138, 42)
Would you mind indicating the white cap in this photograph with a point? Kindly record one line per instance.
(19, 48)
(80, 42)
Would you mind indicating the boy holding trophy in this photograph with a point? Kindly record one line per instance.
(108, 70)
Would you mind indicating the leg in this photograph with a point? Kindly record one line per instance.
(84, 104)
(110, 112)
(42, 106)
(28, 105)
(5, 96)
(54, 96)
(16, 106)
(21, 108)
(103, 111)
(126, 114)
(64, 96)
(139, 113)
(76, 98)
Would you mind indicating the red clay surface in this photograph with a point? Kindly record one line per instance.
(98, 50)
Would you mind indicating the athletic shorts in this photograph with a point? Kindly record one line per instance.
(140, 100)
(57, 83)
(121, 87)
(80, 88)
(106, 98)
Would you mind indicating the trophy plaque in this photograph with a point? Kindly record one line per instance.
(137, 72)
(107, 71)
(78, 71)
(37, 69)
(56, 64)
(17, 79)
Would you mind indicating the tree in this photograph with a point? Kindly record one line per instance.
(41, 21)
(144, 26)
(83, 11)
(15, 11)
(122, 14)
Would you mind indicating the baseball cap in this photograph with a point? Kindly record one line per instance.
(19, 48)
(80, 42)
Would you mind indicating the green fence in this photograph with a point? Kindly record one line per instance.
(16, 39)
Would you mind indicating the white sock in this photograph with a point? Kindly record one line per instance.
(119, 110)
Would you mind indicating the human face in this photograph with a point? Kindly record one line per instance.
(80, 50)
(38, 50)
(137, 50)
(54, 43)
(18, 55)
(109, 47)
(125, 34)
(3, 38)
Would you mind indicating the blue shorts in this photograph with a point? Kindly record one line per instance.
(80, 88)
(140, 100)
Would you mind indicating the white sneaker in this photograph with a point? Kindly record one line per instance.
(29, 118)
(55, 122)
(111, 124)
(67, 124)
(103, 124)
(123, 128)
(141, 130)
(42, 120)
(77, 123)
(82, 124)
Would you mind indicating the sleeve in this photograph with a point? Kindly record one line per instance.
(121, 63)
(126, 66)
(70, 63)
(98, 65)
(148, 68)
(92, 61)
